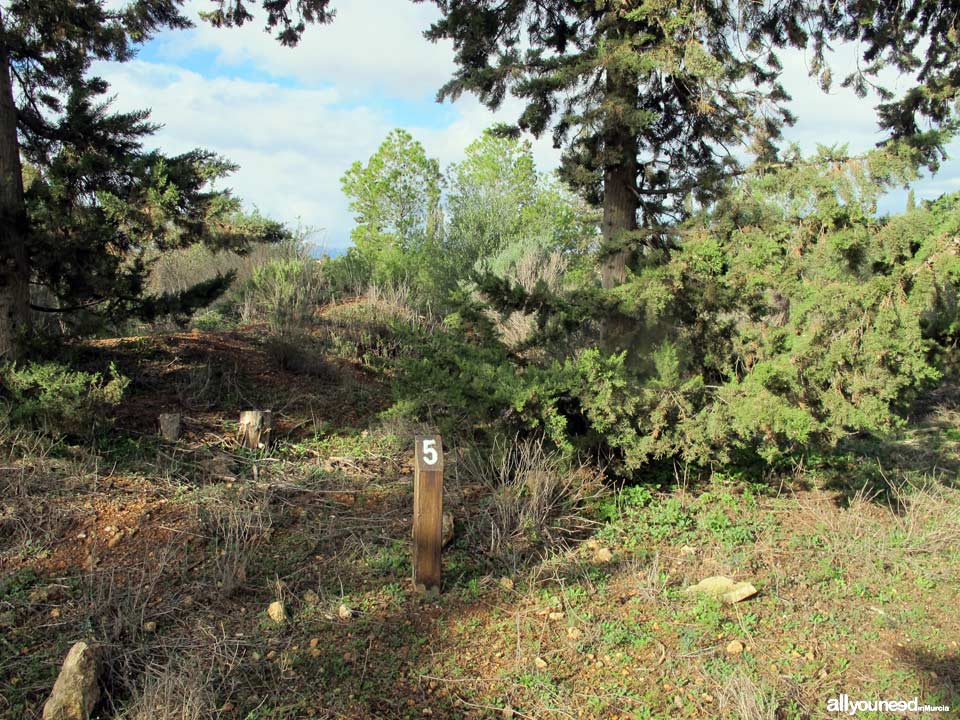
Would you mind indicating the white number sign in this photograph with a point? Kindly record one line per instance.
(430, 455)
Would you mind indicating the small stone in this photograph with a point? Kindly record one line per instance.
(540, 663)
(344, 613)
(314, 642)
(150, 626)
(734, 647)
(557, 615)
(574, 633)
(277, 612)
(311, 598)
(603, 555)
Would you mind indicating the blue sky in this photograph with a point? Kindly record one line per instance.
(295, 119)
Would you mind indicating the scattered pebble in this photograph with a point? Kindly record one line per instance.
(277, 612)
(540, 663)
(734, 647)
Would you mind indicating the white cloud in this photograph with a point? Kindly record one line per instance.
(372, 45)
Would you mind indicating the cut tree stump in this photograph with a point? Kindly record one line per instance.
(171, 425)
(254, 430)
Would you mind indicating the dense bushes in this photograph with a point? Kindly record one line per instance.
(786, 317)
(55, 399)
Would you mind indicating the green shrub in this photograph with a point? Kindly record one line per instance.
(54, 398)
(783, 320)
(284, 292)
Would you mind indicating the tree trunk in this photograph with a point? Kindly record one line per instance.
(619, 176)
(620, 202)
(14, 265)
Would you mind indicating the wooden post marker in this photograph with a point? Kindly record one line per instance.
(427, 512)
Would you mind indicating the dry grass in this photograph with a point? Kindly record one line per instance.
(236, 528)
(172, 692)
(535, 498)
(742, 698)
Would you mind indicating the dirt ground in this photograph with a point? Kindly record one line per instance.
(169, 554)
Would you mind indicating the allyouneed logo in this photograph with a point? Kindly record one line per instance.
(844, 704)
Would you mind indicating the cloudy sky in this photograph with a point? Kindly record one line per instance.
(295, 119)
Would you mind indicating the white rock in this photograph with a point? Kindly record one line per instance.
(76, 690)
(277, 612)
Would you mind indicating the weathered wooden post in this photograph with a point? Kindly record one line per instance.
(427, 513)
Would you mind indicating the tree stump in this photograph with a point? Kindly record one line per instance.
(254, 430)
(171, 425)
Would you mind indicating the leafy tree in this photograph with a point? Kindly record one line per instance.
(396, 198)
(499, 208)
(96, 201)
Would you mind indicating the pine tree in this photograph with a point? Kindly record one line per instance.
(650, 98)
(96, 201)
